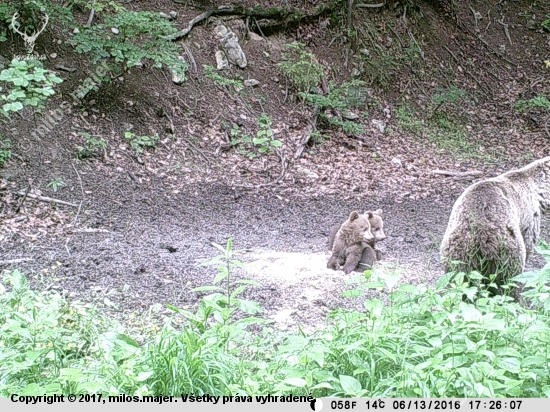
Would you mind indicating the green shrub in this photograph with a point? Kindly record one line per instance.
(31, 85)
(139, 143)
(212, 74)
(91, 148)
(49, 345)
(346, 96)
(263, 143)
(450, 96)
(408, 341)
(538, 101)
(140, 37)
(301, 67)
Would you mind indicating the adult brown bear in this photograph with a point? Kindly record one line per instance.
(495, 223)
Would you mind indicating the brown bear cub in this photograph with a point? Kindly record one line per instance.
(370, 254)
(350, 241)
(496, 222)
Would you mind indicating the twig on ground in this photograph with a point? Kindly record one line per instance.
(458, 175)
(467, 72)
(92, 13)
(284, 167)
(182, 33)
(397, 36)
(505, 25)
(45, 199)
(417, 45)
(89, 230)
(196, 150)
(67, 246)
(23, 199)
(14, 261)
(83, 195)
(369, 6)
(191, 60)
(307, 133)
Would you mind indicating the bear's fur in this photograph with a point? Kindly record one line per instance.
(495, 223)
(370, 254)
(350, 241)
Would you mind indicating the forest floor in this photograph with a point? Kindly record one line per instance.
(142, 223)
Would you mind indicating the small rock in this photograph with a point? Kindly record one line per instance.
(230, 45)
(349, 115)
(221, 60)
(115, 30)
(165, 16)
(389, 42)
(304, 172)
(251, 82)
(53, 55)
(355, 72)
(379, 124)
(243, 116)
(176, 79)
(397, 162)
(365, 52)
(76, 31)
(173, 14)
(255, 37)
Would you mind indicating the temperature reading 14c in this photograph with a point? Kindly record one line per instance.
(375, 404)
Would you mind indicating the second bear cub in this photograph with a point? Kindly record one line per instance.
(350, 241)
(370, 254)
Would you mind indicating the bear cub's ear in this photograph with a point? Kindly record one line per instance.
(370, 213)
(353, 215)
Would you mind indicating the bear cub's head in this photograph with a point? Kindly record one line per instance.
(356, 229)
(376, 224)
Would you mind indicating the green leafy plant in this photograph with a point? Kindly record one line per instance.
(138, 143)
(301, 67)
(546, 22)
(127, 39)
(448, 96)
(264, 140)
(212, 74)
(56, 184)
(347, 95)
(445, 133)
(50, 345)
(31, 85)
(538, 104)
(243, 141)
(538, 101)
(5, 151)
(379, 66)
(91, 148)
(406, 341)
(31, 13)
